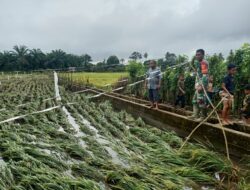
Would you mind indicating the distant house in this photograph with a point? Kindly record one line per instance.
(71, 69)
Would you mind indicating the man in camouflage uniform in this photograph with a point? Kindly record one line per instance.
(200, 100)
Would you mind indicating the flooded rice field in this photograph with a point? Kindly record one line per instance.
(91, 146)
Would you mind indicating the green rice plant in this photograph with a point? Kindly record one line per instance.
(207, 160)
(46, 159)
(193, 174)
(139, 122)
(40, 156)
(6, 177)
(13, 152)
(88, 172)
(76, 151)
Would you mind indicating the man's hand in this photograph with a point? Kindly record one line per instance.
(158, 86)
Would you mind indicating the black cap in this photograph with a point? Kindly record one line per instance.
(231, 66)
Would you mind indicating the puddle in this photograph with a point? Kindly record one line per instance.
(58, 97)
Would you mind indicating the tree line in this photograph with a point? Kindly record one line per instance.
(21, 58)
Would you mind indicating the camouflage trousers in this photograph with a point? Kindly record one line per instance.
(200, 103)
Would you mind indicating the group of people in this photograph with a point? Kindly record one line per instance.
(204, 90)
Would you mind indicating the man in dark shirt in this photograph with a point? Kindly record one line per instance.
(227, 93)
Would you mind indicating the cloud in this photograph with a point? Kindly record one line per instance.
(105, 27)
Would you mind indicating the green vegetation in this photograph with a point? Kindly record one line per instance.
(96, 79)
(101, 149)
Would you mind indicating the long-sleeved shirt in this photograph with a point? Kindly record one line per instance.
(153, 78)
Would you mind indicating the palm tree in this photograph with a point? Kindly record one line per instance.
(122, 60)
(7, 61)
(37, 58)
(57, 59)
(21, 53)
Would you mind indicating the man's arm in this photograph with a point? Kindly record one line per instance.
(159, 85)
(159, 78)
(181, 90)
(146, 80)
(146, 83)
(225, 89)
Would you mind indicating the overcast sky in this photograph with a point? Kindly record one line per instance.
(104, 27)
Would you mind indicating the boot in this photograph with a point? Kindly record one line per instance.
(204, 113)
(195, 114)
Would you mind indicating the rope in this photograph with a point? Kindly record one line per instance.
(217, 115)
(137, 82)
(192, 132)
(21, 105)
(22, 116)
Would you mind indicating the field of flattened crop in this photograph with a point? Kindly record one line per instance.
(90, 146)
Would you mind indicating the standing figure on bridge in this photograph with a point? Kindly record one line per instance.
(200, 100)
(228, 93)
(180, 91)
(153, 83)
(245, 111)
